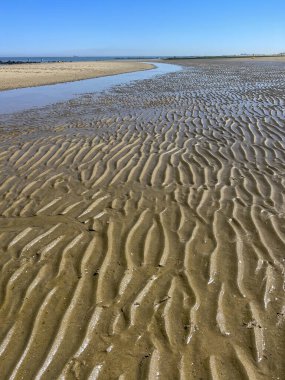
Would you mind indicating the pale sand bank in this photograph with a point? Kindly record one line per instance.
(38, 74)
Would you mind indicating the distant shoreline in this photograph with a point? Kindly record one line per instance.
(11, 60)
(225, 57)
(30, 60)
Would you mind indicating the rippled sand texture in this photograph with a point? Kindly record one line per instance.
(142, 232)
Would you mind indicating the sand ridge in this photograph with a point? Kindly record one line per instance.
(142, 232)
(38, 74)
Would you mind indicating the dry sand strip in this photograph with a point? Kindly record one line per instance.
(38, 74)
(142, 233)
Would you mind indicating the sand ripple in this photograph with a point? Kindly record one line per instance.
(143, 232)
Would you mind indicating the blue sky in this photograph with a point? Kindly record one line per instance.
(141, 27)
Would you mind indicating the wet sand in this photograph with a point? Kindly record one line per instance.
(241, 59)
(38, 74)
(143, 232)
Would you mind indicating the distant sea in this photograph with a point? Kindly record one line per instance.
(71, 59)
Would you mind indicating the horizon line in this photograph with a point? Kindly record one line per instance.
(145, 55)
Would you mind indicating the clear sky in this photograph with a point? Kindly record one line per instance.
(141, 27)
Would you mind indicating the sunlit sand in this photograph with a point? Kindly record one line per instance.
(37, 74)
(142, 231)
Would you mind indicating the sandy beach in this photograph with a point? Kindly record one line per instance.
(38, 74)
(143, 231)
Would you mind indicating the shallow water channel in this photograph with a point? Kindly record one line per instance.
(26, 98)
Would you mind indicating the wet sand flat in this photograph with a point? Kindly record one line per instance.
(143, 231)
(217, 60)
(38, 74)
